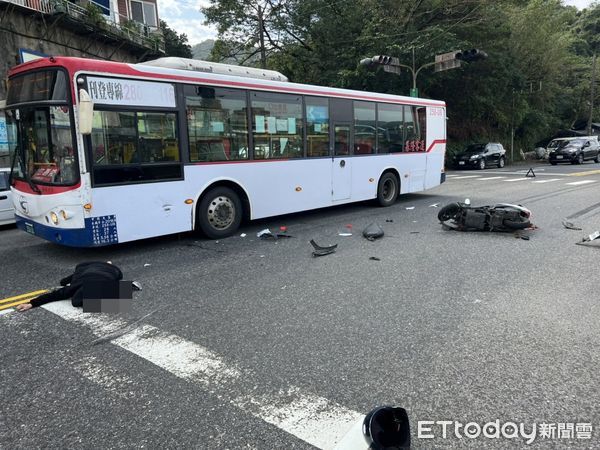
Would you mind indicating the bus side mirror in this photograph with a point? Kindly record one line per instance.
(86, 112)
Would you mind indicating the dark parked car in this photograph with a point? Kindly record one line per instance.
(481, 156)
(575, 151)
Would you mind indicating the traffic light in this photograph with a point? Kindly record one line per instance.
(471, 55)
(389, 63)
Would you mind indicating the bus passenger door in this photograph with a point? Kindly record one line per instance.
(341, 177)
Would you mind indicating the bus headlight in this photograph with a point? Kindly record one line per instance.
(54, 218)
(66, 214)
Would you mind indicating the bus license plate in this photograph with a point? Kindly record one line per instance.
(559, 157)
(29, 228)
(461, 163)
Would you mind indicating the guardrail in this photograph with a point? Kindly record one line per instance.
(91, 13)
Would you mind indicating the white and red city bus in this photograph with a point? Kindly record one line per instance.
(167, 150)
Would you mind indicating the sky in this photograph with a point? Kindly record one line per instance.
(184, 16)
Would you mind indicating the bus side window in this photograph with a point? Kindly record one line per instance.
(317, 126)
(217, 124)
(390, 123)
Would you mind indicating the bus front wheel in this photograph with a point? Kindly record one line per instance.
(219, 213)
(387, 189)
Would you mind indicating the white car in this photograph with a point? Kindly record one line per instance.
(7, 211)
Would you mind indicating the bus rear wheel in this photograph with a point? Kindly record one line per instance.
(219, 213)
(387, 189)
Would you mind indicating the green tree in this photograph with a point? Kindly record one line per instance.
(175, 44)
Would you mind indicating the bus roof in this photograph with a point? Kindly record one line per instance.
(149, 72)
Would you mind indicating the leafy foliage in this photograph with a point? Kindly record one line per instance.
(175, 44)
(536, 80)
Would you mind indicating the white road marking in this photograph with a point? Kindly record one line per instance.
(106, 377)
(518, 179)
(547, 181)
(577, 183)
(490, 178)
(466, 176)
(307, 416)
(451, 176)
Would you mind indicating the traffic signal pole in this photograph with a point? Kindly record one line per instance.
(442, 62)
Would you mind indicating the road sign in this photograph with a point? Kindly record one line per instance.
(414, 92)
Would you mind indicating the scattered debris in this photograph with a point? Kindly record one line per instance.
(389, 220)
(283, 229)
(243, 235)
(414, 232)
(266, 234)
(372, 232)
(525, 237)
(347, 232)
(410, 207)
(570, 225)
(591, 240)
(435, 205)
(322, 251)
(374, 258)
(147, 265)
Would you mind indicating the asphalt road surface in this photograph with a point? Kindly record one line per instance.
(245, 343)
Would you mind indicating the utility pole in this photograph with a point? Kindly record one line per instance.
(261, 38)
(592, 95)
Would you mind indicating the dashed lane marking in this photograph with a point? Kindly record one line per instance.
(462, 177)
(518, 179)
(314, 419)
(577, 183)
(489, 178)
(546, 181)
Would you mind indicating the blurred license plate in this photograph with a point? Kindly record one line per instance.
(461, 163)
(559, 157)
(29, 228)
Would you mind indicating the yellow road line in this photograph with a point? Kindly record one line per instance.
(10, 305)
(583, 174)
(27, 296)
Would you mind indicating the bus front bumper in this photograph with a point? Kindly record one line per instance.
(71, 237)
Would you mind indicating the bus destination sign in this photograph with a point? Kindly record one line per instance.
(114, 91)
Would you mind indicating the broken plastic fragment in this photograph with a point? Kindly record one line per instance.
(266, 233)
(147, 265)
(591, 237)
(570, 225)
(389, 220)
(322, 251)
(372, 232)
(243, 235)
(410, 207)
(374, 258)
(435, 205)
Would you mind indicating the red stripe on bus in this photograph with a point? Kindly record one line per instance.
(22, 186)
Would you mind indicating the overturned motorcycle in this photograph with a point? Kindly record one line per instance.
(499, 217)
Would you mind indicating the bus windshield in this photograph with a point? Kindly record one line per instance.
(43, 140)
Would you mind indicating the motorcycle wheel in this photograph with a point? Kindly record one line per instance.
(513, 225)
(448, 212)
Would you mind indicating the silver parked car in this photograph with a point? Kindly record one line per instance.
(7, 211)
